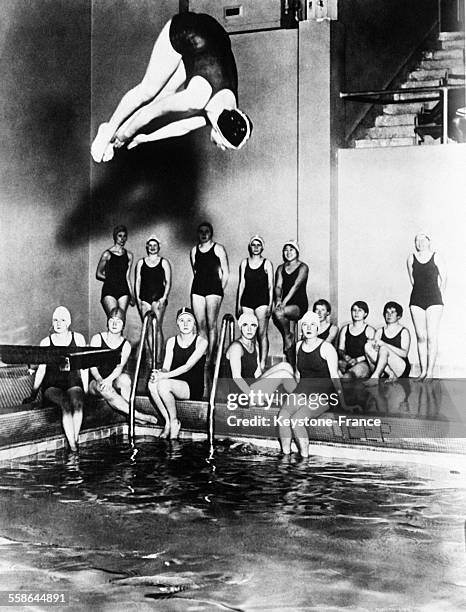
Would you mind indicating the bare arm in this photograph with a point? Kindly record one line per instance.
(137, 285)
(405, 342)
(332, 334)
(168, 278)
(172, 130)
(409, 265)
(341, 344)
(224, 268)
(100, 272)
(300, 279)
(442, 270)
(39, 375)
(269, 272)
(128, 276)
(241, 286)
(278, 285)
(328, 352)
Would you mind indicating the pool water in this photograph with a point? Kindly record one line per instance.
(166, 530)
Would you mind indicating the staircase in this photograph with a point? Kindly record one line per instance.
(395, 126)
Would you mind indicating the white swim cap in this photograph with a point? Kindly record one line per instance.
(61, 312)
(310, 317)
(247, 317)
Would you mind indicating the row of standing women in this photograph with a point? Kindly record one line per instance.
(284, 298)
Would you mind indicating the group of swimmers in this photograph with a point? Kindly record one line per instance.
(311, 363)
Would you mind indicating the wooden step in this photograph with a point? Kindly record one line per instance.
(451, 36)
(398, 119)
(390, 131)
(384, 142)
(444, 54)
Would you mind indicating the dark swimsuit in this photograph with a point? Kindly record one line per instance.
(313, 370)
(354, 345)
(115, 283)
(207, 273)
(58, 379)
(299, 299)
(396, 342)
(426, 291)
(193, 377)
(324, 335)
(104, 369)
(205, 49)
(256, 287)
(248, 368)
(153, 282)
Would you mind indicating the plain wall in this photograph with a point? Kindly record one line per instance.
(386, 197)
(168, 187)
(44, 163)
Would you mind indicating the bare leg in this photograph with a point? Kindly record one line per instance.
(123, 303)
(433, 316)
(198, 302)
(108, 304)
(76, 395)
(168, 391)
(145, 307)
(263, 321)
(59, 397)
(420, 325)
(159, 310)
(213, 303)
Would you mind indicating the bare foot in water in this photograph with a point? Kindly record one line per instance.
(175, 429)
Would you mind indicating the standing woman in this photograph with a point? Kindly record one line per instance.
(65, 389)
(182, 375)
(290, 296)
(152, 284)
(255, 291)
(210, 267)
(428, 277)
(114, 269)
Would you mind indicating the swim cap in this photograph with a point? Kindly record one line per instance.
(310, 317)
(185, 311)
(61, 312)
(247, 317)
(258, 238)
(293, 243)
(235, 127)
(153, 237)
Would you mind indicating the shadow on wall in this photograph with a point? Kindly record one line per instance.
(141, 187)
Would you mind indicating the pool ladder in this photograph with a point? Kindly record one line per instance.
(228, 323)
(152, 317)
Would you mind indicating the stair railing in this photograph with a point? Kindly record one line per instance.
(419, 95)
(152, 317)
(228, 325)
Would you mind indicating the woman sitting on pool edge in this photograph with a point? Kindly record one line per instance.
(352, 342)
(317, 372)
(327, 330)
(182, 374)
(246, 372)
(113, 383)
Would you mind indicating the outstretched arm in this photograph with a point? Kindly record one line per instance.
(177, 128)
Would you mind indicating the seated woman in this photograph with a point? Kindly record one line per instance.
(246, 372)
(114, 270)
(182, 375)
(113, 383)
(387, 353)
(153, 283)
(352, 342)
(65, 389)
(327, 331)
(255, 291)
(190, 82)
(317, 372)
(290, 296)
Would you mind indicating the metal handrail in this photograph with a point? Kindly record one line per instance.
(442, 89)
(228, 322)
(150, 314)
